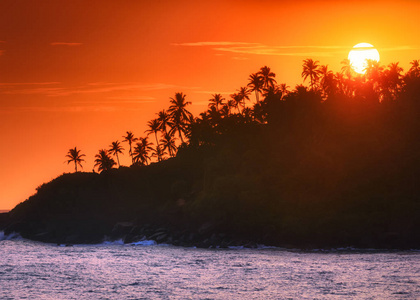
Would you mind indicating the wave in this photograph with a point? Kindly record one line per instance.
(145, 243)
(8, 237)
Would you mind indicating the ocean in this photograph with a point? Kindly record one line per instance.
(32, 270)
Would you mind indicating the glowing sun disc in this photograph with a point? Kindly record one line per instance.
(359, 55)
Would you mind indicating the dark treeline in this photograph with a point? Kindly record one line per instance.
(334, 163)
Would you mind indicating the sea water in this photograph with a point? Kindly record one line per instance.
(31, 270)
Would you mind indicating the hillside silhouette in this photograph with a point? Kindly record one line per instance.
(332, 164)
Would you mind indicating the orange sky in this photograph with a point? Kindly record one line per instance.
(82, 73)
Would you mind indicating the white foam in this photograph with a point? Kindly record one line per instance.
(117, 242)
(144, 243)
(12, 236)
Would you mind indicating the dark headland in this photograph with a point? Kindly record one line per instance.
(315, 168)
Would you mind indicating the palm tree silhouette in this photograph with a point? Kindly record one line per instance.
(235, 102)
(164, 120)
(231, 104)
(141, 151)
(310, 69)
(273, 90)
(415, 68)
(393, 80)
(216, 101)
(180, 116)
(267, 77)
(327, 81)
(168, 143)
(103, 161)
(130, 139)
(116, 148)
(347, 69)
(373, 70)
(243, 95)
(75, 156)
(255, 84)
(158, 152)
(284, 89)
(154, 128)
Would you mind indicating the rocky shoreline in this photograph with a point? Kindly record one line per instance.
(207, 235)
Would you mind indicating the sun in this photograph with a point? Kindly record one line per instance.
(359, 55)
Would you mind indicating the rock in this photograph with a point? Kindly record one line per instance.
(4, 217)
(121, 230)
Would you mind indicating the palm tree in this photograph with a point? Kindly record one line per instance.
(273, 90)
(415, 68)
(154, 126)
(310, 69)
(212, 115)
(168, 143)
(231, 104)
(284, 89)
(158, 152)
(103, 161)
(392, 80)
(130, 139)
(225, 110)
(75, 156)
(180, 116)
(267, 77)
(373, 70)
(116, 148)
(235, 102)
(146, 147)
(248, 114)
(141, 153)
(164, 120)
(346, 69)
(243, 94)
(327, 81)
(255, 84)
(216, 101)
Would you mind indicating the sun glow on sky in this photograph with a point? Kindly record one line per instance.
(359, 55)
(82, 73)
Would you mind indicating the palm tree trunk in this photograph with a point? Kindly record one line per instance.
(131, 154)
(180, 135)
(157, 146)
(157, 143)
(257, 96)
(75, 165)
(118, 160)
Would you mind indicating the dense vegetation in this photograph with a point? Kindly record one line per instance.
(333, 164)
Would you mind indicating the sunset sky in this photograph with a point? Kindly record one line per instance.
(82, 73)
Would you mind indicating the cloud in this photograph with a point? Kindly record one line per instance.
(90, 108)
(213, 92)
(111, 87)
(399, 48)
(64, 44)
(286, 50)
(29, 88)
(27, 83)
(133, 98)
(89, 88)
(213, 44)
(280, 50)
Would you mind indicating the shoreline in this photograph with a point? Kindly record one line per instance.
(148, 243)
